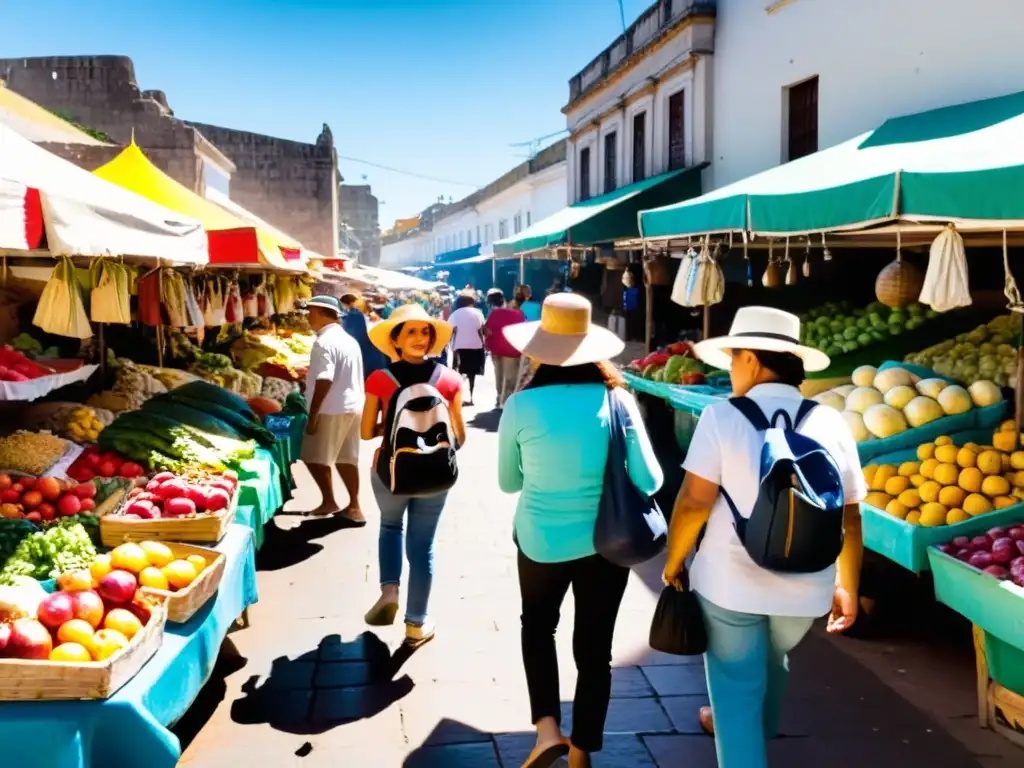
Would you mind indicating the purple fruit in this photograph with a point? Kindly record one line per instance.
(1019, 580)
(995, 533)
(1017, 562)
(1019, 544)
(981, 543)
(946, 549)
(1016, 533)
(1003, 550)
(980, 560)
(960, 542)
(964, 554)
(998, 571)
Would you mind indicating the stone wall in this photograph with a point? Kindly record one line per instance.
(358, 209)
(292, 185)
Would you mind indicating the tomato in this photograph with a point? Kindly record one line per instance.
(5, 482)
(46, 511)
(10, 496)
(107, 469)
(93, 461)
(32, 499)
(28, 483)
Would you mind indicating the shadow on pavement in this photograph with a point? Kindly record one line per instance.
(486, 420)
(210, 697)
(453, 744)
(337, 683)
(283, 548)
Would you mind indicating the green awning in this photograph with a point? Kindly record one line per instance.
(607, 218)
(956, 163)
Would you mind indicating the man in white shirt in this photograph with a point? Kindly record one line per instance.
(468, 339)
(334, 394)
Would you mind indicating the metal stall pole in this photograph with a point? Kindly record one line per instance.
(648, 301)
(494, 269)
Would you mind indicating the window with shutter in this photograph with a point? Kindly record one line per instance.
(676, 131)
(803, 119)
(585, 174)
(639, 146)
(611, 162)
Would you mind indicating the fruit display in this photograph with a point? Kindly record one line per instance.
(835, 328)
(987, 352)
(278, 389)
(674, 364)
(882, 404)
(999, 552)
(15, 366)
(149, 564)
(83, 425)
(44, 499)
(31, 453)
(64, 546)
(134, 385)
(84, 621)
(74, 421)
(949, 484)
(291, 352)
(169, 495)
(93, 462)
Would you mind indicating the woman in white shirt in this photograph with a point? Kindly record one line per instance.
(468, 339)
(754, 616)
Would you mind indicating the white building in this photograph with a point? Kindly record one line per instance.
(745, 85)
(529, 192)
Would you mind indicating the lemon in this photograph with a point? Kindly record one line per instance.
(956, 516)
(946, 474)
(976, 504)
(914, 517)
(1018, 479)
(158, 553)
(869, 475)
(917, 481)
(1002, 502)
(910, 499)
(946, 454)
(1006, 441)
(952, 496)
(970, 480)
(894, 486)
(942, 441)
(995, 486)
(929, 492)
(990, 462)
(896, 509)
(933, 514)
(877, 500)
(1007, 426)
(881, 477)
(153, 578)
(925, 451)
(966, 457)
(908, 469)
(928, 467)
(1017, 459)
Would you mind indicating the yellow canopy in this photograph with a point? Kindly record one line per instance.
(232, 239)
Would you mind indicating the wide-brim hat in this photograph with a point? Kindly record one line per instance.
(564, 335)
(380, 333)
(761, 328)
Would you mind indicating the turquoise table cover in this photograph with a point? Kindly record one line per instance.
(129, 730)
(260, 487)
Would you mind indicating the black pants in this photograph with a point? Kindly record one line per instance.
(597, 587)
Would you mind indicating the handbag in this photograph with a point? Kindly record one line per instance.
(678, 623)
(630, 527)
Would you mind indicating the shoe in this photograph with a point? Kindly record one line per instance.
(415, 636)
(382, 614)
(547, 756)
(706, 720)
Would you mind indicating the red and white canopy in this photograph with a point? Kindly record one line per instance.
(83, 215)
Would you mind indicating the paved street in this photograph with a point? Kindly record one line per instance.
(312, 687)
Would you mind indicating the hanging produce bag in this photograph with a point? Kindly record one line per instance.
(194, 314)
(213, 309)
(946, 285)
(233, 309)
(110, 298)
(172, 294)
(61, 308)
(679, 295)
(250, 304)
(148, 286)
(703, 284)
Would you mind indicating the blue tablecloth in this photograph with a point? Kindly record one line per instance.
(129, 730)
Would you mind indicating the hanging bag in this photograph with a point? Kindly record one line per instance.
(630, 527)
(946, 285)
(678, 623)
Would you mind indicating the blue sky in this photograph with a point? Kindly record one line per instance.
(438, 87)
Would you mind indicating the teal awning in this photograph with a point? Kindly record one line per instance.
(964, 162)
(607, 218)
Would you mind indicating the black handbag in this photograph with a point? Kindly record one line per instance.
(678, 623)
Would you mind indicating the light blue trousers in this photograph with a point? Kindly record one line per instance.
(746, 666)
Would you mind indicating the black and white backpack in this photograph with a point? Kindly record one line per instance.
(796, 524)
(418, 454)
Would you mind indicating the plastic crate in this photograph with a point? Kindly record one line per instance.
(1005, 663)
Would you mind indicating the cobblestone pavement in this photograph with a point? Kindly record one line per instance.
(310, 686)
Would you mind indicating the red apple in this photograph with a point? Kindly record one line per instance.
(29, 640)
(55, 609)
(118, 587)
(88, 605)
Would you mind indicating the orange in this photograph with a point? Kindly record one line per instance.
(106, 643)
(100, 567)
(153, 578)
(180, 573)
(129, 557)
(123, 621)
(70, 652)
(75, 631)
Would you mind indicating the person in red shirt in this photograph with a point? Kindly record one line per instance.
(503, 354)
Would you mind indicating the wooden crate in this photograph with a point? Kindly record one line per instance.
(185, 603)
(59, 680)
(999, 708)
(207, 528)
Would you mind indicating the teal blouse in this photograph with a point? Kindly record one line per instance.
(552, 446)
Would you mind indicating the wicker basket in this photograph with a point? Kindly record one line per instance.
(61, 680)
(185, 603)
(206, 528)
(657, 271)
(898, 284)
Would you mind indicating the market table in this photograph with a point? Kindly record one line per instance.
(259, 486)
(130, 730)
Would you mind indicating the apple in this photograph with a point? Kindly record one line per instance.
(88, 606)
(29, 640)
(56, 609)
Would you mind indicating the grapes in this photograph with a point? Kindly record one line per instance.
(47, 554)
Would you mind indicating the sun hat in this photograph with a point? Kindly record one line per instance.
(765, 329)
(564, 334)
(324, 302)
(380, 333)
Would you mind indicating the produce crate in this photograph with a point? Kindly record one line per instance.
(185, 603)
(58, 680)
(207, 528)
(911, 545)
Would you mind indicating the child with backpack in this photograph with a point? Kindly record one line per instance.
(415, 404)
(777, 481)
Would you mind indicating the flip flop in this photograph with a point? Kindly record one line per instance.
(382, 615)
(416, 642)
(548, 756)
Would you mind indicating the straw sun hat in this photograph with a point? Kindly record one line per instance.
(761, 328)
(564, 335)
(380, 333)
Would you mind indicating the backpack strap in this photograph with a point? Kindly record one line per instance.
(803, 412)
(751, 411)
(390, 385)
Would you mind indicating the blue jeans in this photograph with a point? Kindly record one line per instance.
(424, 515)
(747, 666)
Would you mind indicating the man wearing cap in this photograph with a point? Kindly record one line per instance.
(354, 323)
(335, 395)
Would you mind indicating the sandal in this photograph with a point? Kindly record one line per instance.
(416, 636)
(706, 720)
(548, 756)
(382, 614)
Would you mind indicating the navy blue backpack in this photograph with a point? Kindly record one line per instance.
(796, 525)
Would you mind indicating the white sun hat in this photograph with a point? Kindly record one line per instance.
(761, 328)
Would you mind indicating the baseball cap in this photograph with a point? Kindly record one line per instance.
(324, 302)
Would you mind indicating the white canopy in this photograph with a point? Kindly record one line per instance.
(85, 215)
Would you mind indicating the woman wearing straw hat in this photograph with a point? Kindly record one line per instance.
(754, 616)
(409, 337)
(552, 446)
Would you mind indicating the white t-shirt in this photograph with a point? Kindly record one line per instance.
(336, 357)
(726, 450)
(467, 322)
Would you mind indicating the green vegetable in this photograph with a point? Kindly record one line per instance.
(64, 546)
(27, 344)
(206, 392)
(193, 417)
(245, 426)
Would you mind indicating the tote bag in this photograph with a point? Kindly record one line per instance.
(630, 528)
(678, 624)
